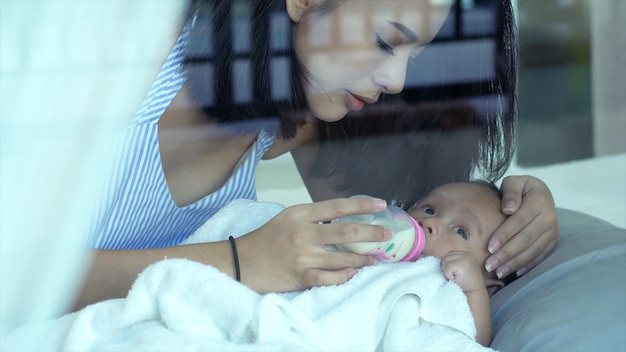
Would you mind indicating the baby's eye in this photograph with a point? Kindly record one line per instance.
(428, 210)
(461, 232)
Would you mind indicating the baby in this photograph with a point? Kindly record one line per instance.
(458, 220)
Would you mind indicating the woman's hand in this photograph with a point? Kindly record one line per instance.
(530, 233)
(288, 253)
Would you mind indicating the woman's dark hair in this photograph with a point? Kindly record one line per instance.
(214, 74)
(397, 149)
(411, 143)
(216, 68)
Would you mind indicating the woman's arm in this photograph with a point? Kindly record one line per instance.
(529, 235)
(113, 272)
(286, 254)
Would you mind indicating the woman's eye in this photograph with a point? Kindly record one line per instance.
(384, 45)
(461, 232)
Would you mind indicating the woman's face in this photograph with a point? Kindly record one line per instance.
(361, 49)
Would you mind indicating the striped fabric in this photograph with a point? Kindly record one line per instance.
(137, 210)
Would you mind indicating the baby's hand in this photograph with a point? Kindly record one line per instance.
(463, 269)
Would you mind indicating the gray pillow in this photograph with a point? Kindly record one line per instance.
(575, 300)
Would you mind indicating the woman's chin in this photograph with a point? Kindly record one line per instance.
(330, 114)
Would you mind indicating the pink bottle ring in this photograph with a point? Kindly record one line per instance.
(418, 245)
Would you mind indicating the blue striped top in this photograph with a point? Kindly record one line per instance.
(137, 210)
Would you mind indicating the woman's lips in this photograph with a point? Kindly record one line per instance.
(355, 103)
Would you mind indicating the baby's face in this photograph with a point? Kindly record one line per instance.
(459, 217)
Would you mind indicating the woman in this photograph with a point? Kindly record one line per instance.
(196, 141)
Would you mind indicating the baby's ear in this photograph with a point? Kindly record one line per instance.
(493, 286)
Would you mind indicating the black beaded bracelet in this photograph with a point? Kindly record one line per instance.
(236, 258)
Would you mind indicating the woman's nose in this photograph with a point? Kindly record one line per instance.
(392, 75)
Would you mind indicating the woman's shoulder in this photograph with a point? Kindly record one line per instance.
(166, 85)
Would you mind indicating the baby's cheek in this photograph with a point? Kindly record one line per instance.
(433, 250)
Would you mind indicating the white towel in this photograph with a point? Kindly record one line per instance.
(178, 304)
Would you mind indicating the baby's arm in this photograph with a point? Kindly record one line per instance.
(463, 268)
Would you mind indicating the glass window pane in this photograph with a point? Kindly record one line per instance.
(240, 23)
(242, 82)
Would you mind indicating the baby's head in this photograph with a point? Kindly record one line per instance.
(460, 217)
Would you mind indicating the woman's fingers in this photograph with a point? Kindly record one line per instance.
(335, 208)
(513, 189)
(331, 233)
(522, 226)
(524, 250)
(350, 232)
(331, 260)
(288, 252)
(319, 277)
(533, 263)
(530, 233)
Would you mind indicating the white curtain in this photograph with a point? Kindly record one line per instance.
(71, 72)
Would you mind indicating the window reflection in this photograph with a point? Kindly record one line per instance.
(462, 53)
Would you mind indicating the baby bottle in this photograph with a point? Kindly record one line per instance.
(406, 244)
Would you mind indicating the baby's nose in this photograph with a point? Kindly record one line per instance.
(427, 226)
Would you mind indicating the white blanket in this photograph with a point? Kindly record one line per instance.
(178, 304)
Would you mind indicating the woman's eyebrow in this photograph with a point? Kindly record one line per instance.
(405, 30)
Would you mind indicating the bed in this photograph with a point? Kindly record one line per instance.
(576, 299)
